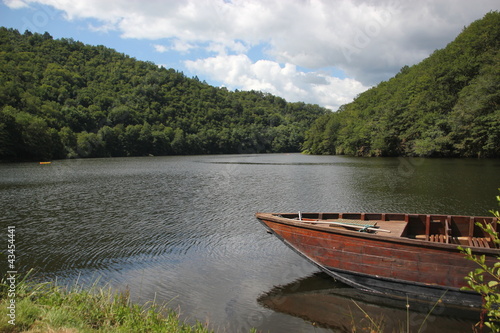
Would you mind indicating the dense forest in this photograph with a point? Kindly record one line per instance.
(446, 106)
(64, 99)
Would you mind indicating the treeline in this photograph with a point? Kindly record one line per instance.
(62, 98)
(446, 106)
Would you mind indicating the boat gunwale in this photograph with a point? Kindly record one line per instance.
(274, 217)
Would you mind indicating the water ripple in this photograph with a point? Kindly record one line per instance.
(185, 226)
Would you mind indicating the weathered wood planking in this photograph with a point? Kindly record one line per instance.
(419, 250)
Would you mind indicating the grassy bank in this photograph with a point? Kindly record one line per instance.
(46, 307)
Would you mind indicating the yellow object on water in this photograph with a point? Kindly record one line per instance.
(45, 162)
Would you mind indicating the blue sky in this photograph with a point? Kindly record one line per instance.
(317, 51)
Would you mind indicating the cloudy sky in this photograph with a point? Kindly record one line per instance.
(318, 51)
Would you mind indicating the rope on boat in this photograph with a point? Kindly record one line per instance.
(364, 227)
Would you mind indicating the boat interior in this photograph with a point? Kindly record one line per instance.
(449, 229)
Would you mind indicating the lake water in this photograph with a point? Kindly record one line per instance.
(182, 230)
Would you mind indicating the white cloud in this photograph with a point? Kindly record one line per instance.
(238, 71)
(160, 48)
(182, 46)
(104, 28)
(16, 4)
(177, 45)
(368, 40)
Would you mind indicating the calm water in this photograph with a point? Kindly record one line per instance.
(182, 229)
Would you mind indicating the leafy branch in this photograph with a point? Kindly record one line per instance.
(485, 280)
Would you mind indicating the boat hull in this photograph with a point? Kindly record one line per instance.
(383, 265)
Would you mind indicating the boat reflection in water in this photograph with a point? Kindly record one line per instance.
(330, 304)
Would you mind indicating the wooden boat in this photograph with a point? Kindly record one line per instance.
(403, 255)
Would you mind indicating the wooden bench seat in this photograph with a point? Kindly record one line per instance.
(471, 241)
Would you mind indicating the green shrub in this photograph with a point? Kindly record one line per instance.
(486, 280)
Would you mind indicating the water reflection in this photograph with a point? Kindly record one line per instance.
(324, 302)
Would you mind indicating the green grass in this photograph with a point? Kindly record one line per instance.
(46, 307)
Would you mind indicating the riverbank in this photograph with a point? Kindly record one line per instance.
(33, 307)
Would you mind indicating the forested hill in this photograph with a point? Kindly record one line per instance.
(447, 105)
(62, 98)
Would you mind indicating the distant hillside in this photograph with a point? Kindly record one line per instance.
(62, 98)
(447, 105)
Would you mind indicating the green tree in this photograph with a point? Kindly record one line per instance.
(89, 145)
(36, 138)
(10, 135)
(69, 142)
(113, 140)
(179, 143)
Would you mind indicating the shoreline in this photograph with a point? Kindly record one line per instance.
(46, 307)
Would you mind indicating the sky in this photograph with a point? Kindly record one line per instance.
(324, 52)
